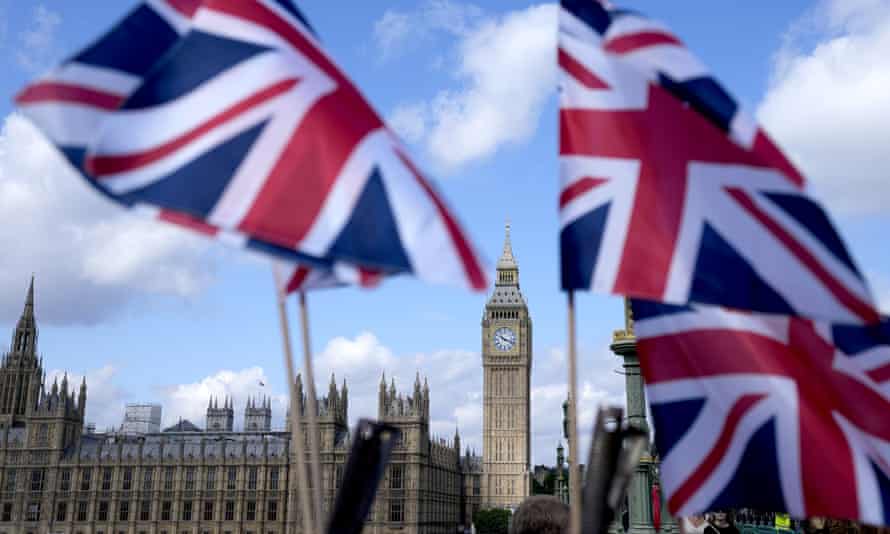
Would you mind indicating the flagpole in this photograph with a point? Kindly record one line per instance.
(315, 461)
(296, 432)
(574, 453)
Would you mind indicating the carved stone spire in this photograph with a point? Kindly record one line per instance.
(24, 337)
(29, 302)
(507, 261)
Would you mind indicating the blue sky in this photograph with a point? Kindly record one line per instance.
(152, 314)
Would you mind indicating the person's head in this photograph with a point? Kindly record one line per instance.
(720, 518)
(814, 524)
(541, 514)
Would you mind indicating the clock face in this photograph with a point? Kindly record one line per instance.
(504, 338)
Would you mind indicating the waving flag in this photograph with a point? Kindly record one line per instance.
(249, 126)
(768, 412)
(670, 192)
(293, 277)
(242, 128)
(71, 103)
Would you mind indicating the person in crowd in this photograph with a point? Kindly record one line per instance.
(541, 514)
(721, 522)
(693, 524)
(815, 525)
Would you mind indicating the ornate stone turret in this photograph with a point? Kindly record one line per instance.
(258, 415)
(333, 399)
(53, 418)
(82, 397)
(24, 337)
(21, 374)
(411, 414)
(561, 486)
(344, 399)
(393, 404)
(381, 394)
(220, 419)
(333, 412)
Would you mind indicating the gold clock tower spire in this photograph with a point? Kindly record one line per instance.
(506, 362)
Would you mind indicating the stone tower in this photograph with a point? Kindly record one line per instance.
(220, 419)
(639, 493)
(411, 412)
(53, 418)
(506, 362)
(258, 415)
(332, 413)
(21, 373)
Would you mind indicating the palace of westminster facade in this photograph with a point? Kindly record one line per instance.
(58, 477)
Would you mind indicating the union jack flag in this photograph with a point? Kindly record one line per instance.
(670, 192)
(296, 277)
(243, 129)
(768, 412)
(71, 103)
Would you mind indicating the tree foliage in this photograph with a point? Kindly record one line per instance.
(547, 488)
(492, 521)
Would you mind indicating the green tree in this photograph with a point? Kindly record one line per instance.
(547, 488)
(492, 521)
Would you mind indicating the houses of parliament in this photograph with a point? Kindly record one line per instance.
(56, 476)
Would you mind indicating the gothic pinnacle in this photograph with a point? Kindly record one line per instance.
(29, 300)
(507, 260)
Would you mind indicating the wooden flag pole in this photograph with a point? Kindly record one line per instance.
(314, 457)
(574, 452)
(296, 432)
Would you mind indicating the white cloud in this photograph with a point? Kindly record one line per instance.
(391, 31)
(409, 121)
(828, 102)
(362, 357)
(397, 31)
(189, 401)
(504, 73)
(37, 41)
(90, 257)
(455, 382)
(508, 70)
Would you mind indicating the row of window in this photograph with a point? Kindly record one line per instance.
(127, 478)
(440, 479)
(187, 511)
(439, 511)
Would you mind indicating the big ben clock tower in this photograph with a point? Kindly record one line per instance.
(506, 362)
